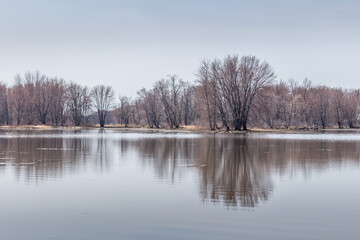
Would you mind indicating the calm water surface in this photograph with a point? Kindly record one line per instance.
(116, 185)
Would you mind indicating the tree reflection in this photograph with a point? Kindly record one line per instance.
(231, 170)
(239, 171)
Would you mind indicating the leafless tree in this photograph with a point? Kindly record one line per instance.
(17, 100)
(43, 96)
(337, 99)
(239, 81)
(352, 107)
(169, 92)
(78, 103)
(103, 97)
(208, 91)
(151, 106)
(58, 105)
(136, 111)
(265, 107)
(4, 106)
(188, 103)
(125, 110)
(322, 107)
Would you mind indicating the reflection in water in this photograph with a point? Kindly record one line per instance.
(233, 170)
(92, 184)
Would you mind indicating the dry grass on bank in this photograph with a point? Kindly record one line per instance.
(182, 129)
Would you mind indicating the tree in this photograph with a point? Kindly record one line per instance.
(352, 107)
(43, 96)
(322, 107)
(58, 105)
(78, 103)
(208, 92)
(337, 99)
(151, 105)
(4, 106)
(103, 97)
(169, 92)
(124, 110)
(188, 103)
(239, 81)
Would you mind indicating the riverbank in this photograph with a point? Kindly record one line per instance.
(182, 129)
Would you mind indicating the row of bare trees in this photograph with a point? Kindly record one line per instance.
(289, 104)
(38, 99)
(171, 102)
(230, 93)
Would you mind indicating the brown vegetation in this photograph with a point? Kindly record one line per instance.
(230, 94)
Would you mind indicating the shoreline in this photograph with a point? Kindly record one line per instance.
(198, 130)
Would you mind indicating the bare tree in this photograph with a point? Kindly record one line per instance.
(4, 106)
(30, 113)
(337, 99)
(78, 103)
(208, 92)
(124, 110)
(136, 112)
(169, 92)
(17, 100)
(322, 107)
(352, 107)
(239, 81)
(188, 103)
(151, 106)
(43, 96)
(103, 97)
(58, 105)
(265, 107)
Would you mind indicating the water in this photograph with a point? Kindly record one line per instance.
(93, 184)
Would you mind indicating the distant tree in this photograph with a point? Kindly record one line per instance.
(208, 91)
(188, 103)
(337, 101)
(17, 100)
(151, 106)
(352, 107)
(169, 92)
(125, 110)
(103, 97)
(58, 105)
(5, 117)
(136, 111)
(43, 96)
(322, 107)
(78, 103)
(239, 81)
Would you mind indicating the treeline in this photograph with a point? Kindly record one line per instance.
(231, 93)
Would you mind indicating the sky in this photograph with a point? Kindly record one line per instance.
(129, 44)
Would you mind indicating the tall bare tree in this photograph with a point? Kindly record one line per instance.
(124, 110)
(239, 81)
(103, 97)
(208, 91)
(151, 105)
(17, 100)
(58, 105)
(78, 103)
(169, 92)
(43, 96)
(4, 105)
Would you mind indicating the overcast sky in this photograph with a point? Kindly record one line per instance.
(130, 44)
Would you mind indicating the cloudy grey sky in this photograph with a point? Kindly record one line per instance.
(131, 43)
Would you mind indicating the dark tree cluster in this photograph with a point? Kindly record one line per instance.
(233, 93)
(289, 104)
(35, 98)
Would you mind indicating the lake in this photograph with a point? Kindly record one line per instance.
(111, 184)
